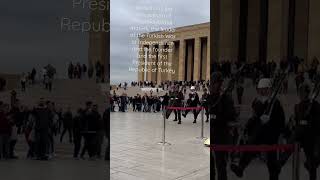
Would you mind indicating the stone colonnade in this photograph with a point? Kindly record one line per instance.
(265, 30)
(186, 57)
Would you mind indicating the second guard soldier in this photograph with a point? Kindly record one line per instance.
(176, 100)
(306, 132)
(222, 114)
(193, 101)
(205, 102)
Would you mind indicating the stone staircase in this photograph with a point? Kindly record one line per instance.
(65, 93)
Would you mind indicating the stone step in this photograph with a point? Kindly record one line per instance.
(65, 93)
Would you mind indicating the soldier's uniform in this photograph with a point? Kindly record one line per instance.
(176, 99)
(205, 103)
(261, 131)
(306, 131)
(193, 101)
(222, 113)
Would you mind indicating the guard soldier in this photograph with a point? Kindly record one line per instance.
(263, 129)
(306, 132)
(222, 114)
(176, 99)
(193, 101)
(205, 102)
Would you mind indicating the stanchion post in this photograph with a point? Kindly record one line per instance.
(164, 127)
(202, 119)
(296, 162)
(202, 125)
(163, 142)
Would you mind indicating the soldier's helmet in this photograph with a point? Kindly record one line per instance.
(264, 83)
(192, 88)
(216, 77)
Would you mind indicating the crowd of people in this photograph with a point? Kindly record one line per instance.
(78, 71)
(40, 125)
(156, 103)
(46, 77)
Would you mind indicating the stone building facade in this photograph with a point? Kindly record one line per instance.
(99, 38)
(265, 30)
(187, 49)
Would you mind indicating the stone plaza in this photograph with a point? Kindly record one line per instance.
(136, 154)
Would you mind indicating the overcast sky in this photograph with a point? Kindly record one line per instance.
(124, 15)
(30, 35)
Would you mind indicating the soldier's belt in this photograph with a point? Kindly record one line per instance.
(184, 108)
(303, 122)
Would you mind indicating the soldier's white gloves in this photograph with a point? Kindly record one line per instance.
(264, 119)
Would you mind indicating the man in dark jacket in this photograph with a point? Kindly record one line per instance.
(5, 131)
(106, 121)
(67, 124)
(42, 125)
(222, 114)
(77, 127)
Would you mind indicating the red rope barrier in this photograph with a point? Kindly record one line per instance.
(252, 148)
(184, 108)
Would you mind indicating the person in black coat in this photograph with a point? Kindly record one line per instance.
(106, 121)
(77, 127)
(42, 125)
(222, 115)
(67, 124)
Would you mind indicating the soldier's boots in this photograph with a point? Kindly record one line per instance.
(179, 122)
(194, 121)
(184, 115)
(207, 120)
(175, 120)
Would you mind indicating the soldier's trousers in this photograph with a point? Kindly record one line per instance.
(177, 115)
(311, 149)
(219, 159)
(272, 163)
(195, 113)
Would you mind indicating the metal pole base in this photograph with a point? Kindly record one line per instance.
(202, 138)
(164, 143)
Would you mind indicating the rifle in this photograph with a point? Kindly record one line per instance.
(231, 83)
(273, 97)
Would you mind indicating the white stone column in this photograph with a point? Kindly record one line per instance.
(141, 61)
(208, 67)
(301, 29)
(277, 29)
(314, 29)
(253, 30)
(159, 59)
(197, 59)
(189, 61)
(182, 57)
(170, 59)
(149, 67)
